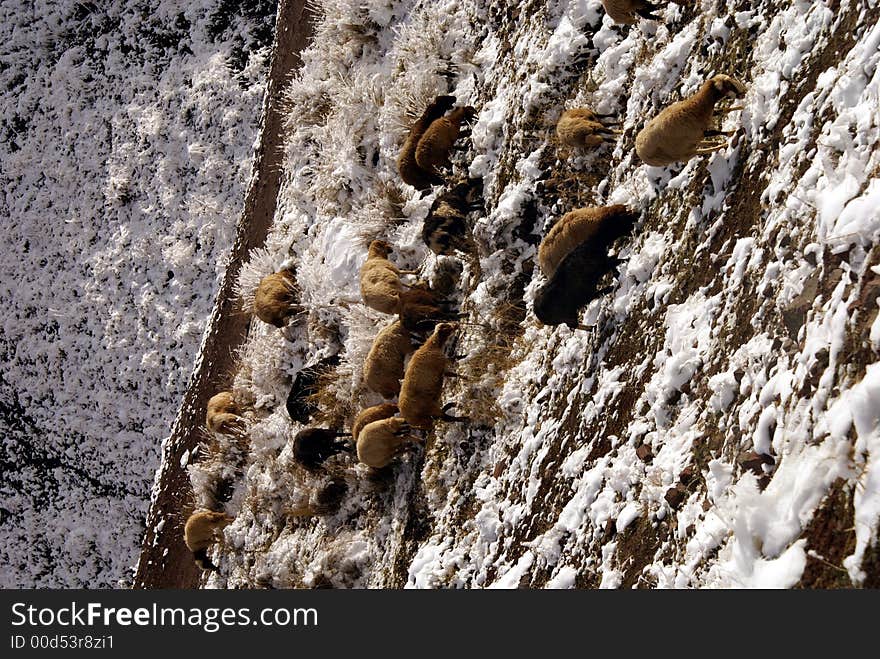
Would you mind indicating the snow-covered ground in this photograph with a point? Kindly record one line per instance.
(718, 425)
(128, 137)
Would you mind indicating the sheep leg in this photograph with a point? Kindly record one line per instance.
(604, 119)
(449, 417)
(732, 108)
(710, 149)
(344, 445)
(648, 13)
(304, 510)
(405, 429)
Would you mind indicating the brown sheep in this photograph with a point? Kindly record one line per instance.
(628, 12)
(421, 309)
(577, 226)
(423, 382)
(383, 368)
(380, 279)
(433, 149)
(581, 128)
(374, 413)
(679, 132)
(381, 441)
(203, 529)
(224, 414)
(409, 169)
(276, 296)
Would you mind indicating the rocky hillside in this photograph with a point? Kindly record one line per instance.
(715, 424)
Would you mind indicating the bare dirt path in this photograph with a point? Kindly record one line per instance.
(165, 562)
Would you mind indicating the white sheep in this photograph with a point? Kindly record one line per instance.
(423, 382)
(432, 153)
(202, 529)
(379, 442)
(582, 128)
(276, 296)
(409, 169)
(370, 414)
(575, 228)
(680, 131)
(380, 279)
(224, 414)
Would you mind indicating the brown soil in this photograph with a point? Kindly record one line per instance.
(165, 562)
(830, 538)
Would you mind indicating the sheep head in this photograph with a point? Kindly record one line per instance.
(468, 114)
(216, 517)
(444, 330)
(625, 216)
(380, 248)
(442, 103)
(725, 86)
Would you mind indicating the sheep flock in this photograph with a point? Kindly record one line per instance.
(562, 295)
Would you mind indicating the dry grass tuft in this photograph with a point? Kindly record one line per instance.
(335, 404)
(491, 355)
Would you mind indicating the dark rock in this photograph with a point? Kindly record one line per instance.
(644, 453)
(610, 529)
(675, 496)
(688, 475)
(753, 462)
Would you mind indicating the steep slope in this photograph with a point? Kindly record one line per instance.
(716, 425)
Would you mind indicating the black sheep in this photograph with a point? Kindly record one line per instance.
(312, 446)
(446, 227)
(576, 280)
